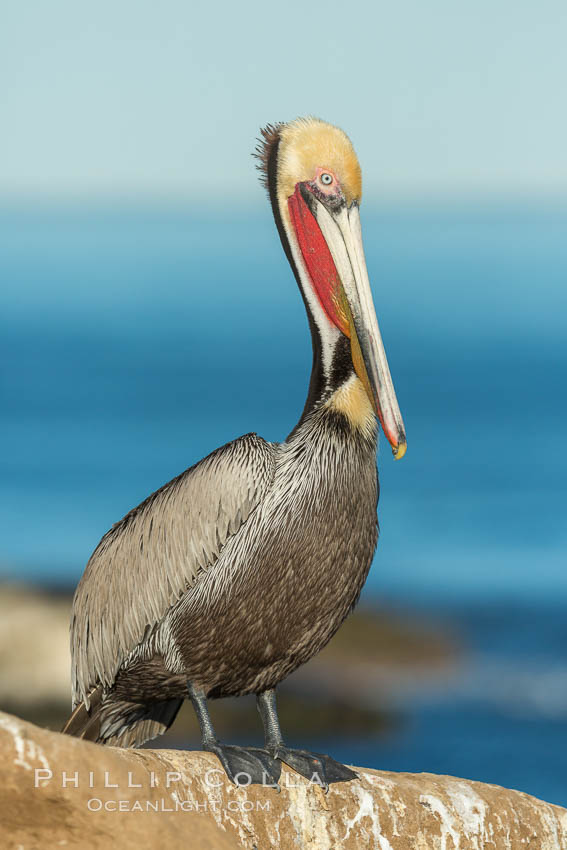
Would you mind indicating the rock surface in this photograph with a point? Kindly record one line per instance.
(57, 791)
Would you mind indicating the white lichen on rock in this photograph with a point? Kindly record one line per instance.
(163, 799)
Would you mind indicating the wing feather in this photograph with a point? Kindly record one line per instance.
(149, 559)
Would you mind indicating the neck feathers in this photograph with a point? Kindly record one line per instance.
(351, 401)
(339, 395)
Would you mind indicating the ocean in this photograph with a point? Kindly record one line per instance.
(136, 338)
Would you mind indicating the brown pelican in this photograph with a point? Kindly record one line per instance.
(226, 579)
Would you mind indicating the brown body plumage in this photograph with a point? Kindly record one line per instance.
(285, 581)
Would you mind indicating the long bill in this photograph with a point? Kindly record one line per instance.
(342, 233)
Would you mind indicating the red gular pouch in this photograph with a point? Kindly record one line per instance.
(318, 261)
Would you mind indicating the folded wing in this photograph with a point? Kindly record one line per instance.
(149, 559)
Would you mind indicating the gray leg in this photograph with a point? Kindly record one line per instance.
(266, 702)
(242, 765)
(199, 701)
(316, 767)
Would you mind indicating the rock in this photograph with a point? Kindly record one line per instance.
(34, 672)
(59, 791)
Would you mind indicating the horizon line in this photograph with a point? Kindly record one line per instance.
(249, 200)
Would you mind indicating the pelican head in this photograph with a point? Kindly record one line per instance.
(315, 184)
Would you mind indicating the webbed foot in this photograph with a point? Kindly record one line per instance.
(316, 767)
(246, 765)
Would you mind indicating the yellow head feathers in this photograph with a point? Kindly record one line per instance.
(309, 143)
(305, 145)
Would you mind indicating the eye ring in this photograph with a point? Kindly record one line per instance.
(326, 179)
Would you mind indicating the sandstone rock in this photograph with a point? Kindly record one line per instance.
(61, 792)
(33, 671)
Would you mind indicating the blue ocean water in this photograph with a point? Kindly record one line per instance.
(136, 339)
(501, 717)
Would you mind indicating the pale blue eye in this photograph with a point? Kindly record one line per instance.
(326, 179)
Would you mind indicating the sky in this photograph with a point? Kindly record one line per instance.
(128, 97)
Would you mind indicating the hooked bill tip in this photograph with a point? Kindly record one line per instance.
(399, 450)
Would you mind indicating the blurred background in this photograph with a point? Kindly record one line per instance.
(147, 315)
